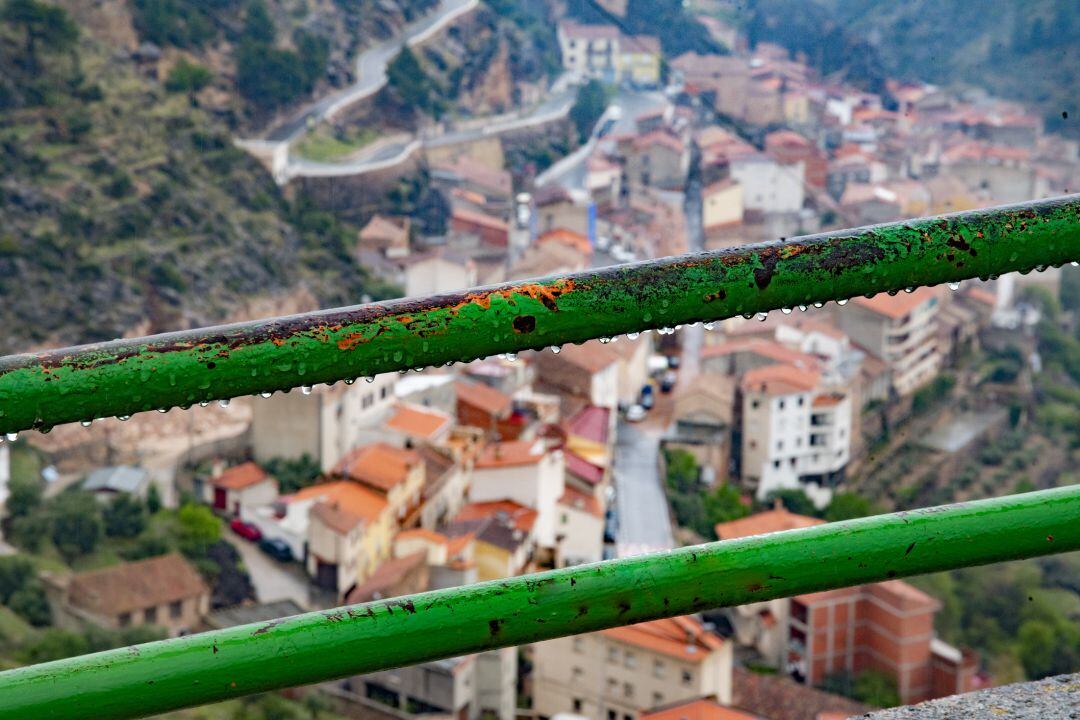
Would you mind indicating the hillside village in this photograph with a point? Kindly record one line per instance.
(383, 486)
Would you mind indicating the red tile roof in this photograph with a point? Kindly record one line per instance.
(780, 698)
(780, 380)
(419, 422)
(763, 347)
(706, 708)
(583, 469)
(683, 638)
(523, 518)
(591, 422)
(579, 500)
(240, 477)
(483, 398)
(760, 523)
(136, 585)
(507, 454)
(896, 306)
(380, 465)
(346, 496)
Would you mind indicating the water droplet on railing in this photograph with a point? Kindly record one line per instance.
(512, 357)
(1075, 263)
(802, 308)
(762, 317)
(633, 336)
(994, 277)
(123, 418)
(819, 304)
(786, 311)
(605, 340)
(709, 325)
(555, 349)
(909, 289)
(1040, 268)
(369, 379)
(842, 302)
(163, 410)
(224, 402)
(11, 437)
(265, 395)
(86, 423)
(305, 389)
(349, 381)
(954, 286)
(748, 316)
(204, 403)
(893, 293)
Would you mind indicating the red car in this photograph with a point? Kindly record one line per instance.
(246, 530)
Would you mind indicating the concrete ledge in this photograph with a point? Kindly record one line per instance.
(1056, 697)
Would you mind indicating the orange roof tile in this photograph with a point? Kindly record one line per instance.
(780, 379)
(765, 348)
(334, 517)
(240, 477)
(700, 709)
(683, 637)
(760, 523)
(380, 465)
(422, 534)
(417, 421)
(829, 400)
(483, 398)
(136, 585)
(579, 500)
(507, 454)
(348, 496)
(575, 240)
(592, 357)
(896, 306)
(522, 517)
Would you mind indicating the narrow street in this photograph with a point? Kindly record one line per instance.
(272, 580)
(644, 524)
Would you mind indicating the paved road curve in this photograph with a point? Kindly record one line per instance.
(370, 71)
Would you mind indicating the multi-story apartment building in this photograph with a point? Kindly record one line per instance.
(618, 673)
(901, 330)
(795, 433)
(527, 472)
(886, 626)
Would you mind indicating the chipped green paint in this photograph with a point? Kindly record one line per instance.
(180, 369)
(152, 678)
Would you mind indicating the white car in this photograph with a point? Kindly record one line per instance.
(635, 413)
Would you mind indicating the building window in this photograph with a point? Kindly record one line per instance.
(800, 401)
(150, 615)
(613, 654)
(578, 672)
(779, 444)
(383, 392)
(176, 609)
(780, 404)
(658, 668)
(754, 404)
(367, 401)
(612, 715)
(579, 644)
(776, 464)
(657, 699)
(124, 619)
(629, 660)
(628, 690)
(792, 462)
(687, 677)
(565, 518)
(578, 704)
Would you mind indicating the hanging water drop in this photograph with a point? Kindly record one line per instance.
(605, 340)
(305, 389)
(555, 349)
(265, 395)
(86, 423)
(123, 418)
(709, 325)
(802, 308)
(762, 317)
(842, 302)
(954, 286)
(633, 336)
(1075, 263)
(224, 402)
(909, 289)
(11, 437)
(349, 381)
(369, 379)
(786, 311)
(204, 403)
(512, 357)
(163, 410)
(819, 304)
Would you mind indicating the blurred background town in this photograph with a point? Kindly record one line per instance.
(166, 164)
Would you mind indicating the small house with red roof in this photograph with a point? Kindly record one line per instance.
(240, 488)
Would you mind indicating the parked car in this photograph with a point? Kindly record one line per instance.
(648, 398)
(277, 549)
(673, 362)
(667, 383)
(246, 530)
(635, 413)
(611, 526)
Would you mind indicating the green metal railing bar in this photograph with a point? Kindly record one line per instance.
(123, 377)
(152, 678)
